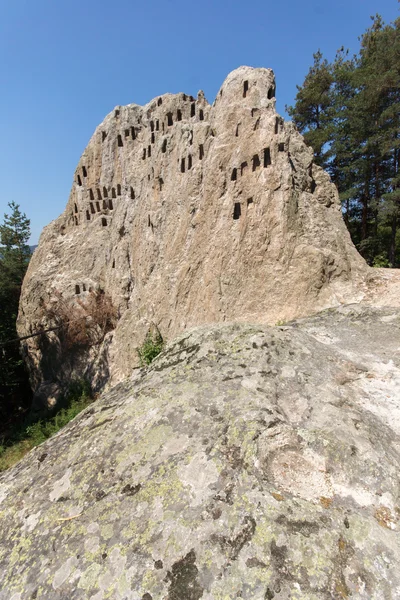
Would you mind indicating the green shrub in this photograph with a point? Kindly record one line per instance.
(381, 261)
(78, 397)
(152, 346)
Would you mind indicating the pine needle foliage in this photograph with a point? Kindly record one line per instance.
(14, 259)
(349, 112)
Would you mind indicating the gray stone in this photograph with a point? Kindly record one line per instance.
(45, 398)
(247, 461)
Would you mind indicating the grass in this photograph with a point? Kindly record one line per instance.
(25, 437)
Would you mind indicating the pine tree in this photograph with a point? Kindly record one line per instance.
(349, 112)
(14, 249)
(312, 113)
(14, 259)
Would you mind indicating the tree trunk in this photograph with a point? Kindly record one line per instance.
(392, 249)
(364, 217)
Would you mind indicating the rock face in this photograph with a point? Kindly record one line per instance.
(248, 462)
(185, 214)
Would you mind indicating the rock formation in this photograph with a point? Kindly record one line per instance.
(248, 462)
(185, 214)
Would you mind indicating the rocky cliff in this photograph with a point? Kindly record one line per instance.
(185, 213)
(248, 462)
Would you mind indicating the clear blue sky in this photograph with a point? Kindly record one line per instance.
(64, 64)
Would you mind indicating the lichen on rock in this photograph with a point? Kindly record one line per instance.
(247, 461)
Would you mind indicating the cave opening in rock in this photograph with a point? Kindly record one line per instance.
(267, 157)
(237, 211)
(256, 161)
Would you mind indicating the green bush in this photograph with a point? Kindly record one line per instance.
(152, 346)
(381, 260)
(78, 397)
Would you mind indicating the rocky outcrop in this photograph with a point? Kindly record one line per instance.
(186, 213)
(248, 462)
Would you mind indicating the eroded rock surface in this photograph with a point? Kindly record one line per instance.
(248, 462)
(187, 213)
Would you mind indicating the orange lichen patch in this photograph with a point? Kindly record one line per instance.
(277, 496)
(341, 590)
(385, 518)
(325, 502)
(342, 544)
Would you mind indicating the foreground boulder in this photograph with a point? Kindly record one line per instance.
(182, 214)
(248, 462)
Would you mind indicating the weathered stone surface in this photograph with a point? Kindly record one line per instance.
(187, 213)
(248, 462)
